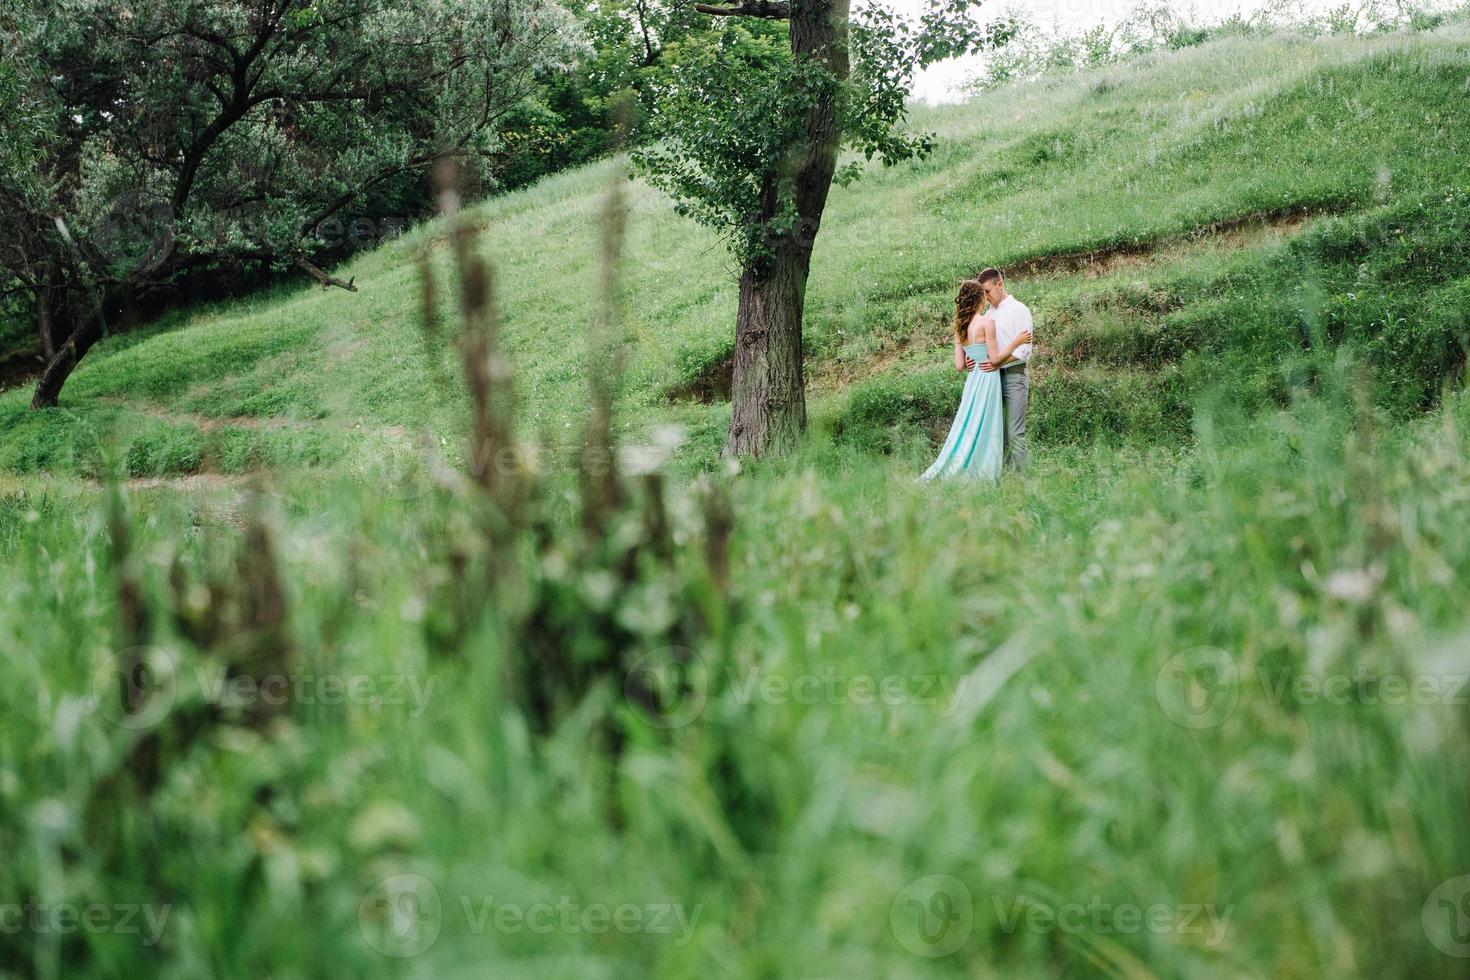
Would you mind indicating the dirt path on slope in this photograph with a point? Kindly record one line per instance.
(1244, 231)
(272, 423)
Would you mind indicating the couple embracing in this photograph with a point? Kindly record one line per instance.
(994, 345)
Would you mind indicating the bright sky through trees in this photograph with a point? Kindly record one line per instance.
(942, 82)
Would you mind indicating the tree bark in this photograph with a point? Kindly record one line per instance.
(60, 367)
(768, 392)
(44, 320)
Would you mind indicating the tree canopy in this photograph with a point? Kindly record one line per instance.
(177, 134)
(730, 106)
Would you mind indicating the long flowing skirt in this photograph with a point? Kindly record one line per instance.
(975, 445)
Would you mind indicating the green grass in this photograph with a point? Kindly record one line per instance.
(1250, 453)
(1314, 830)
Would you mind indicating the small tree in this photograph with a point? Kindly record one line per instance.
(749, 123)
(181, 135)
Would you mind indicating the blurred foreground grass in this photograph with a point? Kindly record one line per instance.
(1152, 713)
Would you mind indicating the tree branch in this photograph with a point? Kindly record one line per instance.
(28, 288)
(347, 197)
(771, 9)
(322, 277)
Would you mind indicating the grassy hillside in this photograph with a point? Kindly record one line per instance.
(1143, 214)
(1186, 700)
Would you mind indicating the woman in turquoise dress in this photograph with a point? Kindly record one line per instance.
(976, 441)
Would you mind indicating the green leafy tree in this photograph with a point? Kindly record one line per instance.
(747, 123)
(182, 134)
(23, 129)
(569, 120)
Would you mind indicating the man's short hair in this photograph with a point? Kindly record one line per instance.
(988, 275)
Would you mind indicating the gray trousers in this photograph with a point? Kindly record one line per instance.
(1013, 393)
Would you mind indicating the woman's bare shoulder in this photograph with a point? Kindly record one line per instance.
(977, 325)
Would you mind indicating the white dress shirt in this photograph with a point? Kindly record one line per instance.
(1011, 317)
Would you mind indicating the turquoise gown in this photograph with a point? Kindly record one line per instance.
(976, 440)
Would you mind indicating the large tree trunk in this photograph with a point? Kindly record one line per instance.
(45, 322)
(61, 365)
(768, 392)
(89, 326)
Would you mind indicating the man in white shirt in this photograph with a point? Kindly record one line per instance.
(1011, 317)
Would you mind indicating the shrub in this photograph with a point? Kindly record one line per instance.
(881, 410)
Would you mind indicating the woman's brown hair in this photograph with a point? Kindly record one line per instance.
(965, 304)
